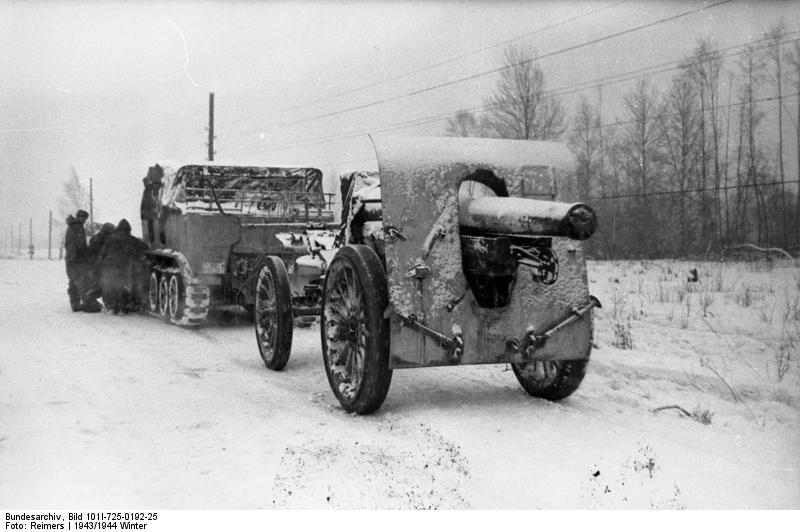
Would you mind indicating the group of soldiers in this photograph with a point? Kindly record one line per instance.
(111, 265)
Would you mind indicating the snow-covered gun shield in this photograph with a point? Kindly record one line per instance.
(482, 264)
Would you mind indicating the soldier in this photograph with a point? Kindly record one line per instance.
(120, 269)
(75, 259)
(93, 265)
(139, 276)
(150, 206)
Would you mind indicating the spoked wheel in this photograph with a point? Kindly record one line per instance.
(152, 293)
(175, 297)
(273, 314)
(163, 296)
(551, 379)
(355, 335)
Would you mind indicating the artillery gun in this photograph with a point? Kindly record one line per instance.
(212, 227)
(455, 252)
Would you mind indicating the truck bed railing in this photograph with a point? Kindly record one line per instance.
(279, 204)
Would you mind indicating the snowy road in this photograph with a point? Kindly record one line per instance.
(124, 411)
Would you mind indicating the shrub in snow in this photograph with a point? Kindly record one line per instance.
(622, 336)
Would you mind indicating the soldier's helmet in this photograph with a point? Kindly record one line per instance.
(82, 215)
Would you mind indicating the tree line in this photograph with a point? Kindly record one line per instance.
(686, 169)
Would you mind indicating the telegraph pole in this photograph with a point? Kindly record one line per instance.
(50, 237)
(210, 126)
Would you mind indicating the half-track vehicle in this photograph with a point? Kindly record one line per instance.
(211, 228)
(457, 251)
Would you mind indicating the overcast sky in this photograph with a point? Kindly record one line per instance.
(110, 88)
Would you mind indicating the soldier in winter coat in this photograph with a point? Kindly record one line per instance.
(75, 259)
(93, 264)
(150, 206)
(120, 259)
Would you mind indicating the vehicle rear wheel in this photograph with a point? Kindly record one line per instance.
(175, 297)
(354, 332)
(152, 293)
(551, 379)
(163, 296)
(273, 314)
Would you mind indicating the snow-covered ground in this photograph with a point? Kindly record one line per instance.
(124, 411)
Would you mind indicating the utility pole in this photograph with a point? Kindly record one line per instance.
(30, 238)
(50, 237)
(91, 203)
(210, 126)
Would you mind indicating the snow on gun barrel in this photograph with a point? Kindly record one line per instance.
(525, 216)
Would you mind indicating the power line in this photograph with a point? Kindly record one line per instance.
(707, 109)
(439, 64)
(617, 78)
(690, 191)
(498, 69)
(604, 125)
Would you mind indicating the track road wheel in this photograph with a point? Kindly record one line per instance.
(152, 293)
(175, 297)
(355, 335)
(163, 296)
(273, 314)
(551, 379)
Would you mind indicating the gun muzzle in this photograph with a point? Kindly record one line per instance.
(523, 216)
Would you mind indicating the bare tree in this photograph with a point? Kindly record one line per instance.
(680, 133)
(750, 118)
(726, 164)
(704, 67)
(463, 124)
(520, 107)
(794, 60)
(774, 52)
(585, 141)
(641, 136)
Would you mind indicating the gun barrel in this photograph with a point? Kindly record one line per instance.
(523, 216)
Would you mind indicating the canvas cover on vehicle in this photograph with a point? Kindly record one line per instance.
(195, 186)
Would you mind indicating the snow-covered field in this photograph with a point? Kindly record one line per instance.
(126, 412)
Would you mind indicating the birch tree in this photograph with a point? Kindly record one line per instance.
(520, 108)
